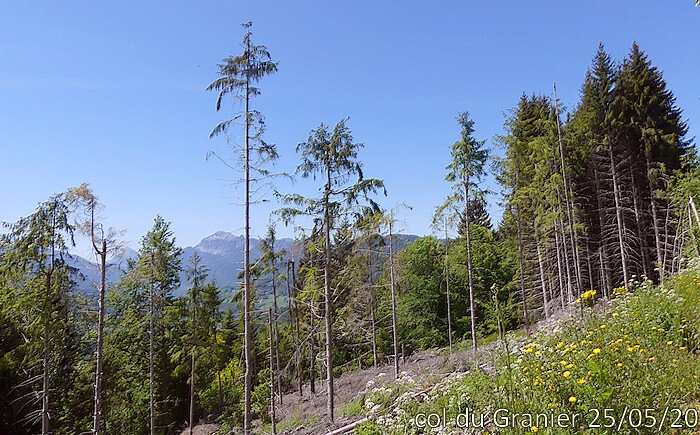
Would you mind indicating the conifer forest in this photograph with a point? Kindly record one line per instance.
(579, 295)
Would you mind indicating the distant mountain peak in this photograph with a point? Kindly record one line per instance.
(221, 235)
(220, 243)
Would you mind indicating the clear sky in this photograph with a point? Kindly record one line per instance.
(112, 93)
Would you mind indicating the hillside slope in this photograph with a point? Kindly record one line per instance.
(627, 365)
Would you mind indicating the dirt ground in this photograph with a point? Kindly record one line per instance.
(426, 367)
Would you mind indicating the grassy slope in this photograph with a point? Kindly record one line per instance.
(637, 351)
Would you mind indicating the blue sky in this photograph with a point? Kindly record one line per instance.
(112, 93)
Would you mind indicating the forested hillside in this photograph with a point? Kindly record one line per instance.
(596, 199)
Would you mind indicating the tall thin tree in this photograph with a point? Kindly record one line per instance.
(333, 156)
(238, 74)
(104, 244)
(465, 171)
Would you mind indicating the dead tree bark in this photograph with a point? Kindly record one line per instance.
(569, 206)
(472, 313)
(192, 355)
(394, 321)
(447, 289)
(294, 313)
(328, 298)
(312, 351)
(560, 272)
(522, 273)
(271, 332)
(247, 324)
(374, 332)
(45, 427)
(151, 332)
(276, 325)
(542, 279)
(97, 414)
(618, 216)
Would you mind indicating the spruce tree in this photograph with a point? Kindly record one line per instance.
(331, 155)
(465, 172)
(238, 75)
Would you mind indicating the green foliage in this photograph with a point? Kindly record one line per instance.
(352, 409)
(422, 301)
(628, 354)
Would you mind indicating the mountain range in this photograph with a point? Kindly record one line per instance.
(221, 252)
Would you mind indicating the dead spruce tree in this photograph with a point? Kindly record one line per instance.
(104, 245)
(238, 74)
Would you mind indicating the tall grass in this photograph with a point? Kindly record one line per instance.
(638, 351)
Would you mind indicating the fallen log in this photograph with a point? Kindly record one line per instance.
(348, 427)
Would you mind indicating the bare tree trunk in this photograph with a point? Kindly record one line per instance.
(605, 267)
(588, 264)
(560, 272)
(569, 206)
(328, 300)
(97, 415)
(641, 235)
(567, 266)
(542, 279)
(374, 332)
(522, 274)
(655, 219)
(692, 232)
(151, 331)
(494, 296)
(247, 326)
(603, 278)
(192, 354)
(312, 359)
(276, 326)
(45, 428)
(666, 231)
(472, 313)
(447, 288)
(294, 313)
(394, 321)
(618, 216)
(695, 211)
(273, 417)
(372, 302)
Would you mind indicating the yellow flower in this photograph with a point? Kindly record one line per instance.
(669, 342)
(615, 314)
(570, 366)
(534, 429)
(596, 351)
(581, 381)
(560, 345)
(682, 348)
(566, 374)
(572, 400)
(563, 362)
